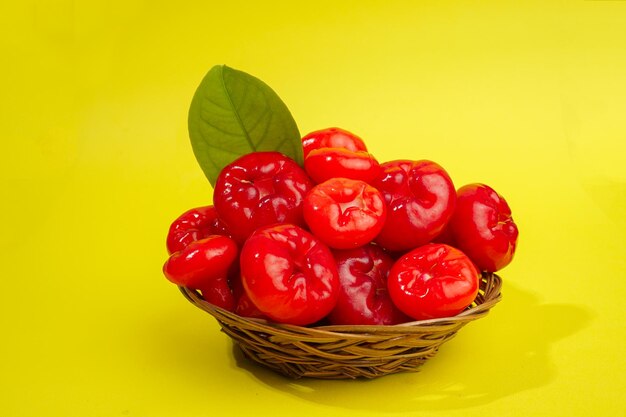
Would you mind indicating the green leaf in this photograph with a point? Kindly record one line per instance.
(232, 114)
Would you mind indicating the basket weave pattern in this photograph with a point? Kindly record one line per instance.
(340, 352)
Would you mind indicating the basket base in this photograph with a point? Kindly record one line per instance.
(346, 352)
(334, 370)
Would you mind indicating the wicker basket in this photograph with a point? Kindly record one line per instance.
(340, 352)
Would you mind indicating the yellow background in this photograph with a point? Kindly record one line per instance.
(529, 97)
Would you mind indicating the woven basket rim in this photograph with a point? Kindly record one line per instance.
(475, 311)
(341, 352)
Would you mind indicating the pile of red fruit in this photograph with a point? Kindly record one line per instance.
(345, 240)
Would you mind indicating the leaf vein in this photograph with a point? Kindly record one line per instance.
(236, 113)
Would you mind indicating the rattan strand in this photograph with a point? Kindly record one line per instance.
(340, 352)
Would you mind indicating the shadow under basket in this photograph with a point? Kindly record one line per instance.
(343, 352)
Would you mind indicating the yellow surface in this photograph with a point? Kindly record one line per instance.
(529, 97)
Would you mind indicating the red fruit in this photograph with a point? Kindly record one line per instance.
(195, 224)
(344, 213)
(363, 296)
(325, 163)
(483, 228)
(433, 281)
(243, 305)
(219, 293)
(246, 308)
(420, 199)
(289, 275)
(332, 137)
(204, 265)
(259, 189)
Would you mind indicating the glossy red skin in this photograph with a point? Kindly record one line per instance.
(202, 262)
(243, 305)
(433, 281)
(225, 293)
(289, 274)
(482, 226)
(363, 295)
(445, 236)
(259, 189)
(219, 293)
(325, 163)
(195, 224)
(246, 308)
(344, 213)
(420, 199)
(332, 137)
